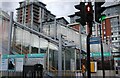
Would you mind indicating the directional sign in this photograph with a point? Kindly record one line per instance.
(98, 54)
(95, 40)
(116, 58)
(41, 55)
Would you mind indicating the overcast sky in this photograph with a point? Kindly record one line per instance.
(60, 8)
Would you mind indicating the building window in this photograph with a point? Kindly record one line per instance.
(112, 33)
(112, 38)
(108, 14)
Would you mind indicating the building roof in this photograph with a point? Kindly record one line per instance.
(50, 13)
(4, 14)
(73, 24)
(111, 4)
(71, 15)
(63, 19)
(35, 3)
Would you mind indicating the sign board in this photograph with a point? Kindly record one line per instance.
(95, 40)
(19, 61)
(19, 64)
(98, 54)
(4, 64)
(116, 58)
(13, 56)
(41, 55)
(36, 55)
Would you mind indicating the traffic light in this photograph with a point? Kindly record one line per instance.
(98, 10)
(89, 12)
(81, 13)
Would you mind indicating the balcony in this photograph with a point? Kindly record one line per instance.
(36, 7)
(36, 11)
(36, 17)
(36, 22)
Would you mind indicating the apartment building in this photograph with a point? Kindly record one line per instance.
(113, 13)
(33, 13)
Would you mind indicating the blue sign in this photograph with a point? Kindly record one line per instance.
(36, 55)
(95, 40)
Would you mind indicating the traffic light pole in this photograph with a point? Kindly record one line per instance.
(88, 49)
(102, 56)
(98, 11)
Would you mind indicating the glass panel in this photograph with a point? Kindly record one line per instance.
(18, 40)
(26, 42)
(35, 43)
(52, 30)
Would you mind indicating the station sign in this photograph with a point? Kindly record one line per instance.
(98, 54)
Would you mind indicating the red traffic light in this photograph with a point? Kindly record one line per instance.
(89, 8)
(89, 12)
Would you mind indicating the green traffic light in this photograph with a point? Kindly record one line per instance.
(103, 17)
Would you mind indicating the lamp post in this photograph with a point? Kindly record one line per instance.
(88, 49)
(102, 53)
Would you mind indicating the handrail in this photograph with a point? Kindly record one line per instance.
(52, 68)
(23, 50)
